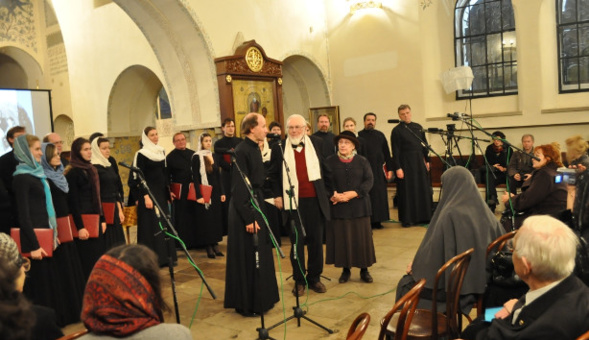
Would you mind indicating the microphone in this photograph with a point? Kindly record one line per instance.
(273, 136)
(456, 115)
(255, 236)
(130, 167)
(157, 211)
(433, 130)
(393, 121)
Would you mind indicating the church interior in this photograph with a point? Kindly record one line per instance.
(117, 66)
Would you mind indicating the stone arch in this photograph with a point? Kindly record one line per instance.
(186, 58)
(132, 101)
(64, 126)
(19, 69)
(303, 86)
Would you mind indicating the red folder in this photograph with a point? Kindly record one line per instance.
(108, 209)
(206, 191)
(191, 193)
(176, 189)
(64, 230)
(44, 237)
(91, 223)
(227, 158)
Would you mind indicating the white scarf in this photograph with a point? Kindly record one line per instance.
(97, 157)
(150, 150)
(203, 169)
(267, 152)
(312, 166)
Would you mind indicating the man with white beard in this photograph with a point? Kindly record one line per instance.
(306, 167)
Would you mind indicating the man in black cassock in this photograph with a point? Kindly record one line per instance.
(411, 164)
(376, 150)
(323, 132)
(222, 148)
(178, 165)
(248, 289)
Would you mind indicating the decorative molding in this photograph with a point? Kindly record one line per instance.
(565, 110)
(18, 23)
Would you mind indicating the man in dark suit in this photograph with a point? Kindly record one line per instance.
(557, 304)
(306, 169)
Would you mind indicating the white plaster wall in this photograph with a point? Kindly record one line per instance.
(100, 43)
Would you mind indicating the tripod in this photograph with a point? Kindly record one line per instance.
(167, 226)
(298, 312)
(262, 331)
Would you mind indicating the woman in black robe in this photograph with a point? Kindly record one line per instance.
(110, 188)
(69, 269)
(462, 221)
(205, 171)
(84, 199)
(152, 162)
(35, 211)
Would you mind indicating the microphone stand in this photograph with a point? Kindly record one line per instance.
(425, 145)
(298, 312)
(168, 226)
(263, 333)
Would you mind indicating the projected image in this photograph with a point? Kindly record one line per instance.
(26, 108)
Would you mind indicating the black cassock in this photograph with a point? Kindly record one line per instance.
(414, 192)
(246, 288)
(148, 225)
(221, 147)
(178, 164)
(376, 150)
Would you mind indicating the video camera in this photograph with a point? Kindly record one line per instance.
(566, 175)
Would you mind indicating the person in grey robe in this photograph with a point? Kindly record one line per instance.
(461, 221)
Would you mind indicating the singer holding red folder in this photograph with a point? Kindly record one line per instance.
(84, 199)
(205, 172)
(35, 211)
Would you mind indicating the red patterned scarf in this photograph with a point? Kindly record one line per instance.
(118, 301)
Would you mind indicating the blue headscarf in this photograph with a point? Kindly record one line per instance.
(55, 175)
(29, 166)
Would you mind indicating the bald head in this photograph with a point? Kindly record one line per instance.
(55, 139)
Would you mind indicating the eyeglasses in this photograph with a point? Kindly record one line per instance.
(59, 142)
(509, 246)
(296, 127)
(26, 264)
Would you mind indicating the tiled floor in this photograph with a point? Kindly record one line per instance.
(336, 309)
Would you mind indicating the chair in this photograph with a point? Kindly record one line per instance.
(358, 327)
(585, 336)
(74, 335)
(496, 246)
(402, 313)
(430, 324)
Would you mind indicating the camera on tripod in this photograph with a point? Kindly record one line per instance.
(566, 175)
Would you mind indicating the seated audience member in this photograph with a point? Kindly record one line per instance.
(577, 158)
(496, 157)
(461, 221)
(520, 165)
(18, 318)
(557, 304)
(123, 298)
(542, 196)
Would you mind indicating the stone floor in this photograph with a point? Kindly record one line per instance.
(336, 309)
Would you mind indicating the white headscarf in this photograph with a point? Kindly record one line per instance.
(97, 157)
(203, 170)
(312, 166)
(150, 150)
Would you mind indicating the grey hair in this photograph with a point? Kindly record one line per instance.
(549, 245)
(291, 117)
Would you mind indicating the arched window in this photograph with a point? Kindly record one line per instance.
(572, 17)
(484, 33)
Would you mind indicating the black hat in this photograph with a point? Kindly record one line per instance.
(499, 134)
(349, 135)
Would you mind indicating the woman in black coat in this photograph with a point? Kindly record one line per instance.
(110, 188)
(543, 196)
(205, 171)
(84, 199)
(349, 233)
(151, 159)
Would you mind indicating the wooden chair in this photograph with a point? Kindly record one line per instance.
(402, 313)
(496, 246)
(584, 336)
(358, 327)
(430, 324)
(74, 335)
